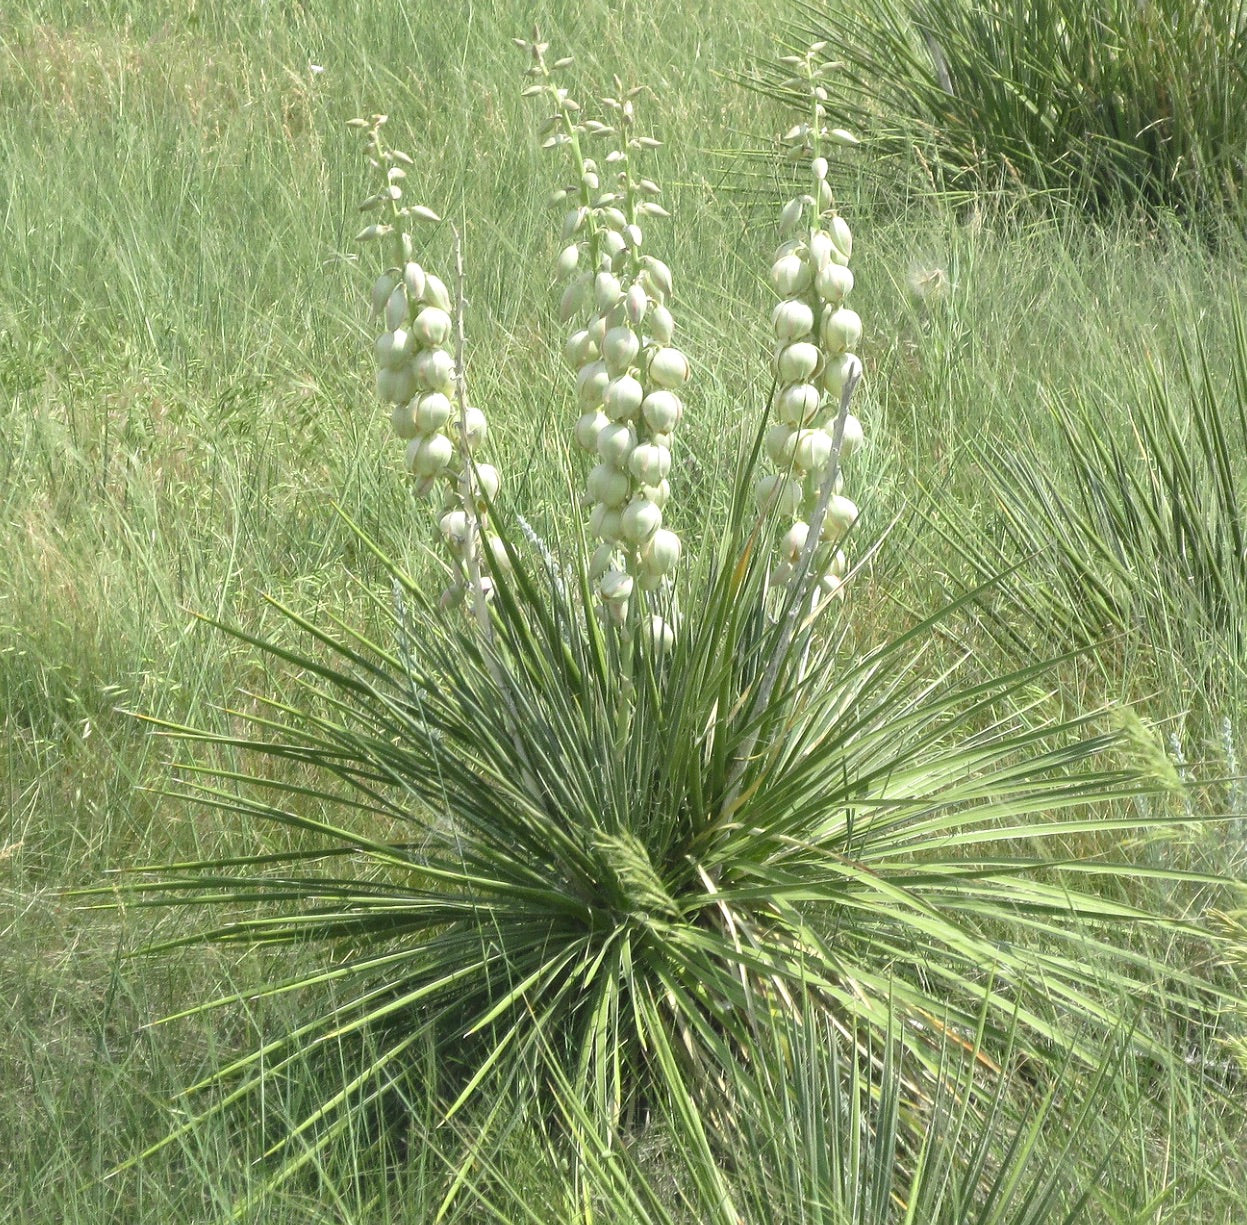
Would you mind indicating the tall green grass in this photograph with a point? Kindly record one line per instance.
(184, 389)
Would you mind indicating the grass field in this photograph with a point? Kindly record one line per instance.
(186, 390)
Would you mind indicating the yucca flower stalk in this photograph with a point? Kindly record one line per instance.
(815, 333)
(628, 373)
(420, 375)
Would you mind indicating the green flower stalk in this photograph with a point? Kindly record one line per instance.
(628, 373)
(422, 379)
(815, 333)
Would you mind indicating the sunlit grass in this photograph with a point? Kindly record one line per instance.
(184, 389)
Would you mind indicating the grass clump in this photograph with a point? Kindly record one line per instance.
(1137, 533)
(1099, 105)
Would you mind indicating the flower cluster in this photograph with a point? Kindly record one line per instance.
(628, 373)
(419, 375)
(815, 334)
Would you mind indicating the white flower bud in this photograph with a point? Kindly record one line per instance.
(794, 540)
(833, 283)
(641, 519)
(435, 292)
(620, 347)
(396, 308)
(830, 587)
(659, 636)
(662, 411)
(567, 261)
(782, 574)
(588, 427)
(798, 403)
(604, 522)
(606, 290)
(790, 275)
(615, 586)
(649, 463)
(661, 325)
(780, 443)
(661, 555)
(435, 370)
(797, 362)
(580, 349)
(394, 349)
(615, 444)
(819, 166)
(813, 451)
(622, 398)
(822, 249)
(432, 326)
(396, 386)
(607, 485)
(488, 481)
(405, 421)
(473, 427)
(668, 368)
(832, 561)
(842, 329)
(413, 279)
(429, 456)
(853, 438)
(841, 515)
(779, 492)
(636, 304)
(838, 370)
(601, 561)
(590, 384)
(659, 494)
(792, 319)
(659, 275)
(382, 288)
(613, 243)
(455, 528)
(596, 327)
(790, 216)
(575, 296)
(499, 559)
(842, 237)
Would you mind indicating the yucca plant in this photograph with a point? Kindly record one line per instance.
(638, 907)
(1101, 103)
(564, 838)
